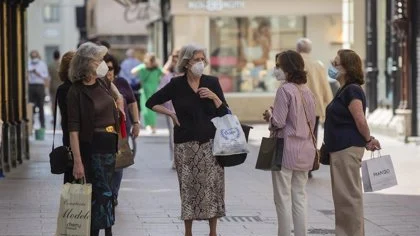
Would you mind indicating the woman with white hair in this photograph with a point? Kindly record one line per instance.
(196, 98)
(93, 123)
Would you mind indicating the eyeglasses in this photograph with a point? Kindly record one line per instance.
(110, 68)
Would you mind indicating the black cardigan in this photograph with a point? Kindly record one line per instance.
(194, 113)
(80, 110)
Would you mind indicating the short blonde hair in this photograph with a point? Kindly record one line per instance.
(81, 64)
(186, 54)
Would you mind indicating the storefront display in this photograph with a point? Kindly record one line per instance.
(242, 49)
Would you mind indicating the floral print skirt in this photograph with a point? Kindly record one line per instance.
(201, 181)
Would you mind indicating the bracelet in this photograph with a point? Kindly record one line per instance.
(136, 123)
(371, 137)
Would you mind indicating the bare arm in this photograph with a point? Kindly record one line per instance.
(134, 111)
(78, 169)
(163, 110)
(356, 110)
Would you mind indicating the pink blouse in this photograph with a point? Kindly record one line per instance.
(289, 122)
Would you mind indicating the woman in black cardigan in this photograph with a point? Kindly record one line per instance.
(197, 98)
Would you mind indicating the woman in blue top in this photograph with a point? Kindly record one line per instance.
(346, 136)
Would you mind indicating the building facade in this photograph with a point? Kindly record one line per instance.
(52, 26)
(122, 23)
(392, 65)
(243, 36)
(14, 143)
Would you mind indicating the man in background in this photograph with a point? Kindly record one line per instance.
(317, 82)
(38, 79)
(126, 66)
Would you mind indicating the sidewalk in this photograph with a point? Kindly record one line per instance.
(149, 201)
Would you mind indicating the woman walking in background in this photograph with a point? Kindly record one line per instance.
(197, 99)
(149, 73)
(294, 107)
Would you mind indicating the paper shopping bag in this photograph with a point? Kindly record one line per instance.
(75, 210)
(378, 173)
(229, 138)
(270, 155)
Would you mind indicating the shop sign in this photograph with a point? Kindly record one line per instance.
(216, 5)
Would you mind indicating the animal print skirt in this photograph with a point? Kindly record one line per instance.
(201, 181)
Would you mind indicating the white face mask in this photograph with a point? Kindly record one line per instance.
(102, 70)
(279, 74)
(198, 68)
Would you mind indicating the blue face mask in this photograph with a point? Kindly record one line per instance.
(333, 72)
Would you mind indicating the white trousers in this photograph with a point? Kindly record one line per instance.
(290, 200)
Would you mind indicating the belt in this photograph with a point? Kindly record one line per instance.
(108, 129)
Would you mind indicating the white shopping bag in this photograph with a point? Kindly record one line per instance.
(230, 138)
(378, 173)
(75, 210)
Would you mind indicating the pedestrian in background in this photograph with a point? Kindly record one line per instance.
(130, 108)
(62, 92)
(346, 136)
(317, 82)
(126, 66)
(149, 75)
(197, 98)
(38, 78)
(93, 123)
(55, 80)
(170, 66)
(294, 105)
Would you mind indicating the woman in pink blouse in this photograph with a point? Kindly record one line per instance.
(287, 120)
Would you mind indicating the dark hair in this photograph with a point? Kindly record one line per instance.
(56, 54)
(352, 63)
(105, 43)
(110, 58)
(292, 64)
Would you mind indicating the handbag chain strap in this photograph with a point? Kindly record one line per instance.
(306, 115)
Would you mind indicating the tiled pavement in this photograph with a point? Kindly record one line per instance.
(150, 204)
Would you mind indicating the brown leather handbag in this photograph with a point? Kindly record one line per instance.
(125, 157)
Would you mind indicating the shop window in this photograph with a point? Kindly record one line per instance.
(242, 49)
(51, 13)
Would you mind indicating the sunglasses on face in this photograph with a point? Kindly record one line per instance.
(110, 68)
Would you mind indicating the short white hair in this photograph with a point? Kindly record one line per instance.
(187, 52)
(304, 45)
(81, 63)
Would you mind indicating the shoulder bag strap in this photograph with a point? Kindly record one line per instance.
(55, 119)
(306, 115)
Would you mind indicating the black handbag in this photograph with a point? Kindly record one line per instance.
(324, 156)
(61, 158)
(270, 155)
(236, 159)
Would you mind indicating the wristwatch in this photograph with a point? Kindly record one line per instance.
(136, 123)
